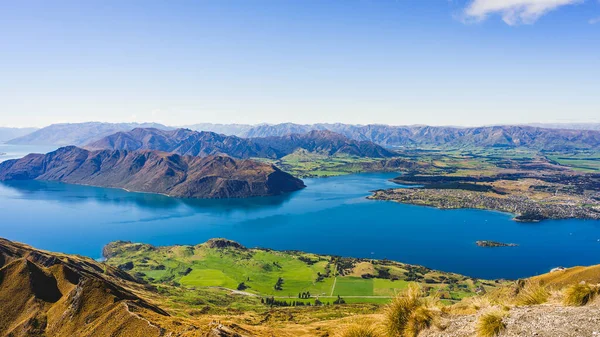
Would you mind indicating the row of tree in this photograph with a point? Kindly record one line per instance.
(304, 295)
(282, 303)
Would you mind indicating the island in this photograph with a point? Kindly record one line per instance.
(492, 244)
(158, 172)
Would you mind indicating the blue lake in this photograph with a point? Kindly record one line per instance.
(330, 216)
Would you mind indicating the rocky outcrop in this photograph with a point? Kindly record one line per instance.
(223, 243)
(154, 172)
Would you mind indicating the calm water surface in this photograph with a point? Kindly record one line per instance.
(330, 216)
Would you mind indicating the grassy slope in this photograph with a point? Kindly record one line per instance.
(570, 276)
(202, 266)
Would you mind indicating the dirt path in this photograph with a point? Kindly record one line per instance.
(333, 287)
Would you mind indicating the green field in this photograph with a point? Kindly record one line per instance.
(586, 162)
(224, 265)
(308, 164)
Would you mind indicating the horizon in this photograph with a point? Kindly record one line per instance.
(533, 124)
(465, 62)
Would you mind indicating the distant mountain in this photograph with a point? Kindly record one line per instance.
(183, 142)
(226, 129)
(155, 172)
(549, 137)
(7, 134)
(568, 126)
(188, 142)
(415, 136)
(324, 142)
(278, 130)
(77, 133)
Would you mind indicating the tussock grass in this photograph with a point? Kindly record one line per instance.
(410, 313)
(359, 331)
(491, 324)
(580, 294)
(468, 306)
(532, 293)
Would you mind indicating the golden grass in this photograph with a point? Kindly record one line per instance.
(532, 293)
(468, 306)
(491, 324)
(580, 294)
(359, 331)
(570, 276)
(410, 313)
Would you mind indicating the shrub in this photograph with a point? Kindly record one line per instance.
(359, 331)
(409, 313)
(491, 324)
(580, 294)
(532, 293)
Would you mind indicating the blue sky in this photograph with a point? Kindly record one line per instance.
(435, 62)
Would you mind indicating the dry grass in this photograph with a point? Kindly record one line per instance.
(410, 313)
(532, 293)
(359, 331)
(468, 306)
(570, 276)
(491, 324)
(580, 294)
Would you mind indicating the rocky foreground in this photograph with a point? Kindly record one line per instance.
(155, 172)
(545, 320)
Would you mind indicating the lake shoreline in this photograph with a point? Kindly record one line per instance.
(327, 217)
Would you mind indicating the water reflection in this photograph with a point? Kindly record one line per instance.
(75, 194)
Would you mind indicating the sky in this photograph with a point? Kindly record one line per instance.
(436, 62)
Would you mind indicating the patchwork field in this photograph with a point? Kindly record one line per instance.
(285, 276)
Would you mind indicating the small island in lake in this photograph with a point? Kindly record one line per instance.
(486, 243)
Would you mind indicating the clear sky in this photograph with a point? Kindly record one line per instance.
(467, 62)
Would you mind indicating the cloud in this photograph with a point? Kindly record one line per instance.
(513, 12)
(594, 21)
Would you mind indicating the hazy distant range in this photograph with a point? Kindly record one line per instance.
(539, 136)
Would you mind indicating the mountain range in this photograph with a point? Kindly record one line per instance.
(153, 171)
(419, 136)
(204, 143)
(77, 133)
(553, 137)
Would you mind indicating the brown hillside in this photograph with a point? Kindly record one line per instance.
(155, 172)
(46, 294)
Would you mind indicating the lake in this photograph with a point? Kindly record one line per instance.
(330, 216)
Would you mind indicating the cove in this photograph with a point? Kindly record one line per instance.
(330, 216)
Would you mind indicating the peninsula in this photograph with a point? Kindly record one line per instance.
(155, 172)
